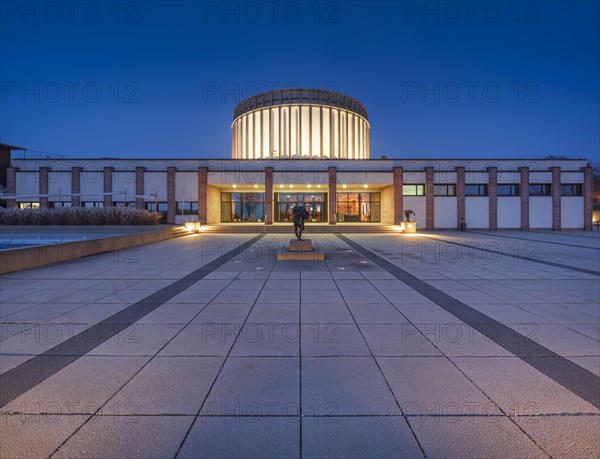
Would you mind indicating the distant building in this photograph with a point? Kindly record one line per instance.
(312, 147)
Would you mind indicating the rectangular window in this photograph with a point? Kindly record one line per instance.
(444, 190)
(242, 207)
(130, 204)
(187, 208)
(476, 190)
(543, 189)
(571, 189)
(151, 207)
(90, 204)
(58, 204)
(413, 190)
(29, 205)
(511, 189)
(358, 207)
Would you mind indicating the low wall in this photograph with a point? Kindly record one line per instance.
(33, 257)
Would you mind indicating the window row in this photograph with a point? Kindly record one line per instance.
(502, 189)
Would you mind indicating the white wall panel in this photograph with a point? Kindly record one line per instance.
(293, 176)
(509, 212)
(540, 177)
(91, 185)
(59, 183)
(540, 212)
(417, 205)
(477, 212)
(186, 183)
(509, 177)
(156, 182)
(124, 182)
(571, 212)
(249, 174)
(364, 178)
(444, 177)
(28, 183)
(476, 177)
(444, 212)
(571, 177)
(414, 177)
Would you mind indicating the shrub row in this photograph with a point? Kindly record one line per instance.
(78, 216)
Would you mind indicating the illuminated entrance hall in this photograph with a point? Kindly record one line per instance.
(243, 207)
(315, 203)
(358, 207)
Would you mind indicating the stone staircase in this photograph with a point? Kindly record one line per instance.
(309, 229)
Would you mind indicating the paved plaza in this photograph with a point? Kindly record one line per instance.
(441, 344)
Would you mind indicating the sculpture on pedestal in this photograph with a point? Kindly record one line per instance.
(299, 215)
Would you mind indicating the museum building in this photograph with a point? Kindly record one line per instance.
(312, 147)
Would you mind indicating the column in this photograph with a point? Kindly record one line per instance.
(429, 207)
(171, 202)
(555, 198)
(11, 184)
(332, 194)
(460, 198)
(44, 187)
(524, 191)
(108, 199)
(398, 200)
(493, 197)
(587, 198)
(76, 186)
(268, 195)
(139, 187)
(202, 195)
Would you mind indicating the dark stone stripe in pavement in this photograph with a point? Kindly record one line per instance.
(29, 374)
(519, 257)
(536, 240)
(571, 376)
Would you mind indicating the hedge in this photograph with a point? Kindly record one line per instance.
(78, 216)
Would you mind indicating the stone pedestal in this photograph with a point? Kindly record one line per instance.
(408, 227)
(300, 251)
(303, 245)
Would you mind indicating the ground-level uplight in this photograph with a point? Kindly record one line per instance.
(193, 227)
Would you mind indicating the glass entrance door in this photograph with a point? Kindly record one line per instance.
(358, 207)
(315, 203)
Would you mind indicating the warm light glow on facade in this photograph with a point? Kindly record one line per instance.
(300, 124)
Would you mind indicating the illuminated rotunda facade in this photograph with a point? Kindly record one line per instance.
(312, 148)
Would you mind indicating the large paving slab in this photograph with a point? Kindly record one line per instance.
(247, 356)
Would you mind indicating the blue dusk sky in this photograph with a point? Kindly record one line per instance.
(440, 79)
